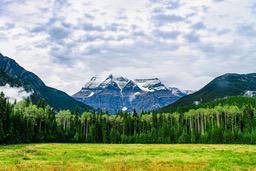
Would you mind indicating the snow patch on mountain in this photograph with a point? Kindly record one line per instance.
(137, 93)
(14, 93)
(143, 88)
(124, 109)
(133, 96)
(177, 91)
(91, 94)
(150, 85)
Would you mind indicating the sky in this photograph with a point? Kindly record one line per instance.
(184, 43)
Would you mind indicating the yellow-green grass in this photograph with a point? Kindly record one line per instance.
(127, 157)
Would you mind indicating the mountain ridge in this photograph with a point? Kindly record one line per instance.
(16, 76)
(127, 94)
(226, 85)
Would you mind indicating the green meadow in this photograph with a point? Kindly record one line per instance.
(127, 157)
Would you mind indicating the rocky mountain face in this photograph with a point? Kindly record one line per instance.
(12, 75)
(227, 85)
(114, 94)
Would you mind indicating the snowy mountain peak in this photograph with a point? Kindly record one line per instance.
(121, 82)
(147, 85)
(150, 84)
(103, 82)
(110, 77)
(94, 82)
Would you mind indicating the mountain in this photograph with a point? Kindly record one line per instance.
(113, 94)
(13, 75)
(221, 87)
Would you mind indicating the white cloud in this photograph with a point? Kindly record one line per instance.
(14, 93)
(184, 43)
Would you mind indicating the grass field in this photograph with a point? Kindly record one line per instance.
(127, 157)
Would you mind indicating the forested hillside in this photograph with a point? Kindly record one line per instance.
(230, 122)
(239, 101)
(227, 85)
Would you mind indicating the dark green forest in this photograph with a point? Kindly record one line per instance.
(231, 120)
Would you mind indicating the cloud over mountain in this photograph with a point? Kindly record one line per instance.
(14, 93)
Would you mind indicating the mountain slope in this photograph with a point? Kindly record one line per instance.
(13, 74)
(113, 94)
(223, 86)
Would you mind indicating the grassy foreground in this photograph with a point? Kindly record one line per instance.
(127, 157)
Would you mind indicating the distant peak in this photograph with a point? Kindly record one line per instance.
(93, 78)
(114, 77)
(94, 81)
(113, 93)
(101, 81)
(110, 76)
(121, 78)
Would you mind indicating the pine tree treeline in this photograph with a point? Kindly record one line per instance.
(24, 122)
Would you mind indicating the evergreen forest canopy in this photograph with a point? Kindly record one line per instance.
(231, 120)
